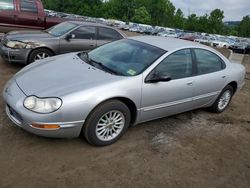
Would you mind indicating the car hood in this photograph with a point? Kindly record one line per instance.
(27, 35)
(61, 75)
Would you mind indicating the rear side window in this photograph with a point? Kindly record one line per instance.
(207, 62)
(29, 6)
(108, 34)
(86, 32)
(6, 5)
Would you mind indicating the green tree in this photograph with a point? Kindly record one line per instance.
(203, 24)
(215, 21)
(244, 27)
(162, 12)
(179, 19)
(191, 22)
(154, 12)
(141, 16)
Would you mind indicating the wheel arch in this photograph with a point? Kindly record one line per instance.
(38, 48)
(128, 102)
(234, 85)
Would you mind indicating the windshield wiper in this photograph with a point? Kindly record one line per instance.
(85, 56)
(103, 67)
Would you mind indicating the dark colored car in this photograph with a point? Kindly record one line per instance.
(25, 14)
(247, 50)
(240, 46)
(72, 36)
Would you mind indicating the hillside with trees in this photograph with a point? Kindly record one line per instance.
(153, 12)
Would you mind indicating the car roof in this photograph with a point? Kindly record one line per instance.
(82, 23)
(167, 43)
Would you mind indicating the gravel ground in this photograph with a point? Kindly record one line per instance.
(193, 149)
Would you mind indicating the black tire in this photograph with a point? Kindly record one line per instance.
(34, 53)
(90, 127)
(215, 107)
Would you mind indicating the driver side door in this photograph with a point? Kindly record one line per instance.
(81, 39)
(162, 99)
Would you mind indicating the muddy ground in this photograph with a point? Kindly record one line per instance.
(193, 149)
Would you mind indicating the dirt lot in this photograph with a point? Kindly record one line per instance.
(194, 149)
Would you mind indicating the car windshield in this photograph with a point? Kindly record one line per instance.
(125, 57)
(61, 29)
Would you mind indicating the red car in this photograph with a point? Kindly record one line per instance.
(189, 37)
(24, 14)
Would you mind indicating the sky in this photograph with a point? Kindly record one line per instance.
(234, 10)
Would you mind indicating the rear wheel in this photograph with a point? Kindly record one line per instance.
(107, 123)
(223, 100)
(39, 54)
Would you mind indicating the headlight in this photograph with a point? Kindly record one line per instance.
(42, 105)
(17, 45)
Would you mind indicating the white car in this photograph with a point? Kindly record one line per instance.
(202, 40)
(168, 34)
(220, 43)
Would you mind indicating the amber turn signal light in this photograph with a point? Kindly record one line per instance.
(47, 126)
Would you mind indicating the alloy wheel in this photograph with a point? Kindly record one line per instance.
(224, 100)
(110, 125)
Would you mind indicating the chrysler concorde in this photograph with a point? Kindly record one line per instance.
(101, 93)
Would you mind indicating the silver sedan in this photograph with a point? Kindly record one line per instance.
(100, 93)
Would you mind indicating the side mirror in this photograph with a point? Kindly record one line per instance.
(70, 36)
(156, 77)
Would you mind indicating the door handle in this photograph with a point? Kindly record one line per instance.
(190, 83)
(223, 77)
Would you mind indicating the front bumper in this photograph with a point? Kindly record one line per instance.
(14, 55)
(24, 118)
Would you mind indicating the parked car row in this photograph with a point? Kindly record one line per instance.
(236, 44)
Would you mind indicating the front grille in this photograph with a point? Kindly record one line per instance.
(15, 114)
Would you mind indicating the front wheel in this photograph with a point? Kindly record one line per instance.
(107, 123)
(39, 54)
(223, 100)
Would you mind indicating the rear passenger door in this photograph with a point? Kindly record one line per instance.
(211, 77)
(106, 35)
(84, 39)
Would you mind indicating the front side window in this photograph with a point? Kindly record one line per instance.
(86, 32)
(207, 62)
(61, 29)
(126, 57)
(6, 5)
(177, 65)
(29, 6)
(108, 34)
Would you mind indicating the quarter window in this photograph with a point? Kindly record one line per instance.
(177, 65)
(6, 5)
(29, 6)
(207, 62)
(108, 34)
(88, 33)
